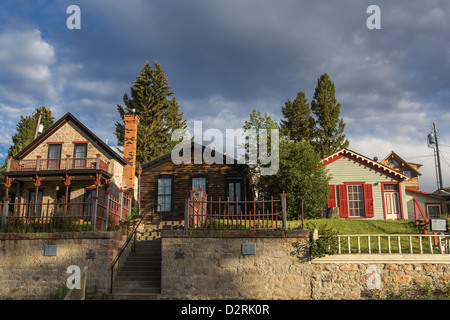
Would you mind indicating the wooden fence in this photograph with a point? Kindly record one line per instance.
(390, 244)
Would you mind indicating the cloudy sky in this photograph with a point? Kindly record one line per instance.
(225, 58)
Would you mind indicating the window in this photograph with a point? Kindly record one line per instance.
(390, 187)
(433, 210)
(80, 155)
(164, 194)
(34, 205)
(54, 156)
(355, 200)
(393, 162)
(198, 182)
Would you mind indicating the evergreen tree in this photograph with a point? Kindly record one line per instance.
(26, 129)
(153, 100)
(298, 124)
(302, 176)
(329, 133)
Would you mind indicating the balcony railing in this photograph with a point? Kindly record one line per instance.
(57, 164)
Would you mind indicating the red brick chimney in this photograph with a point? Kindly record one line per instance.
(129, 149)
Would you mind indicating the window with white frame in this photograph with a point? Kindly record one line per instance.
(355, 196)
(164, 194)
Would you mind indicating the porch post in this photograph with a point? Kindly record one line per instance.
(283, 205)
(186, 212)
(8, 164)
(94, 213)
(120, 205)
(95, 202)
(4, 213)
(67, 161)
(97, 161)
(108, 198)
(37, 183)
(67, 181)
(38, 163)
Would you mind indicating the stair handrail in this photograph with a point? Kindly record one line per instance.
(130, 236)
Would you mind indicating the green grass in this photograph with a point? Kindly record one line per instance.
(348, 226)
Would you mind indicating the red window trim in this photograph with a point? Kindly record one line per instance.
(55, 142)
(332, 196)
(80, 142)
(368, 200)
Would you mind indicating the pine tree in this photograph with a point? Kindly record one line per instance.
(329, 133)
(298, 124)
(153, 100)
(26, 129)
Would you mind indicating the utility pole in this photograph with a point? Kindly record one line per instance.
(438, 158)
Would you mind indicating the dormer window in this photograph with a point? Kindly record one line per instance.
(393, 162)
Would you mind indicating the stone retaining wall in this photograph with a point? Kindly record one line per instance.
(211, 265)
(26, 273)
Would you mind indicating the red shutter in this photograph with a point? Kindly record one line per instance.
(343, 203)
(332, 196)
(368, 200)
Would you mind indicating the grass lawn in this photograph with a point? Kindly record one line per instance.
(349, 226)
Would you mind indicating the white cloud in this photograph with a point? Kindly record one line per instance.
(26, 61)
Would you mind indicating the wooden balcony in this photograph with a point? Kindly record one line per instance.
(39, 164)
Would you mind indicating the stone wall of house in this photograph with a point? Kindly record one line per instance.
(211, 265)
(26, 273)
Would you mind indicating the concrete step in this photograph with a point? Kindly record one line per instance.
(137, 284)
(133, 296)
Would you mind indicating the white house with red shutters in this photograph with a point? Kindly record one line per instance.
(364, 188)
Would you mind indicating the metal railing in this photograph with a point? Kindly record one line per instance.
(131, 236)
(64, 216)
(392, 244)
(204, 213)
(57, 164)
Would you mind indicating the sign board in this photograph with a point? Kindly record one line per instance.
(248, 248)
(50, 250)
(438, 225)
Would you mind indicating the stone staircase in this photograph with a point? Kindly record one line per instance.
(139, 278)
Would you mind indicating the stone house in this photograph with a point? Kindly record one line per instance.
(69, 162)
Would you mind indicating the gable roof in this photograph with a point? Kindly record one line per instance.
(399, 159)
(68, 117)
(168, 156)
(364, 161)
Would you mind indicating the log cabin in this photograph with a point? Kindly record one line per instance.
(166, 184)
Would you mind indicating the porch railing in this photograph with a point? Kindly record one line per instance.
(94, 214)
(391, 244)
(56, 164)
(264, 214)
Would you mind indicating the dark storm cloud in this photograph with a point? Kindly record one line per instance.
(225, 58)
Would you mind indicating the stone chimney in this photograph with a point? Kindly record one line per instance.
(129, 149)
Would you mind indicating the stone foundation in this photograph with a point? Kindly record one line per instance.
(26, 273)
(211, 265)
